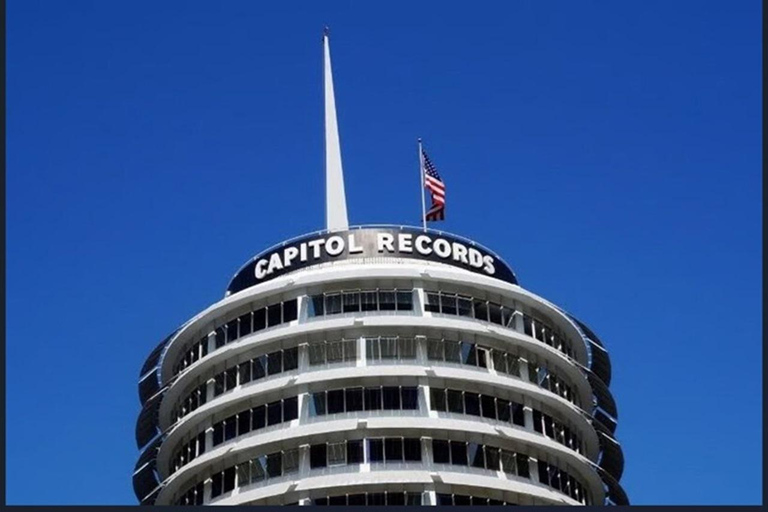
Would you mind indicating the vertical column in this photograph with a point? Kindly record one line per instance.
(362, 356)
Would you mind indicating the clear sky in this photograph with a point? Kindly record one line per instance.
(609, 151)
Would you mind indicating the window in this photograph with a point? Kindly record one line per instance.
(481, 309)
(391, 398)
(351, 302)
(259, 367)
(464, 306)
(230, 378)
(290, 461)
(231, 329)
(274, 413)
(432, 304)
(472, 403)
(405, 300)
(316, 306)
(245, 324)
(318, 403)
(244, 422)
(372, 399)
(355, 452)
(387, 300)
(318, 456)
(522, 466)
(458, 453)
(229, 479)
(412, 450)
(354, 399)
(218, 384)
(275, 363)
(518, 417)
(455, 401)
(259, 417)
(453, 351)
(216, 484)
(245, 372)
(437, 399)
(337, 454)
(468, 354)
(393, 449)
(375, 450)
(290, 359)
(502, 410)
(333, 304)
(388, 347)
(290, 310)
(290, 408)
(494, 313)
(508, 462)
(335, 401)
(406, 348)
(259, 319)
(230, 428)
(440, 451)
(448, 304)
(317, 353)
(335, 352)
(488, 406)
(476, 455)
(350, 350)
(274, 464)
(274, 314)
(258, 469)
(492, 461)
(368, 301)
(435, 350)
(410, 397)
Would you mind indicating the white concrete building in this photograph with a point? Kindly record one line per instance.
(377, 365)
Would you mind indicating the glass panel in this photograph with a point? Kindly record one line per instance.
(351, 302)
(435, 350)
(355, 452)
(395, 498)
(231, 330)
(393, 449)
(448, 303)
(455, 401)
(464, 306)
(274, 413)
(274, 314)
(468, 353)
(482, 357)
(316, 306)
(508, 317)
(388, 347)
(440, 451)
(259, 319)
(230, 378)
(350, 350)
(274, 464)
(513, 365)
(290, 310)
(459, 499)
(368, 301)
(244, 474)
(476, 455)
(245, 324)
(508, 462)
(259, 417)
(495, 313)
(318, 456)
(410, 397)
(391, 398)
(499, 361)
(453, 351)
(354, 398)
(221, 337)
(216, 487)
(230, 428)
(372, 399)
(488, 406)
(537, 422)
(386, 300)
(275, 362)
(492, 458)
(218, 384)
(335, 351)
(333, 304)
(405, 300)
(290, 359)
(432, 302)
(290, 461)
(335, 401)
(412, 449)
(458, 453)
(290, 408)
(337, 454)
(337, 500)
(356, 500)
(406, 348)
(472, 403)
(245, 372)
(502, 410)
(376, 498)
(372, 352)
(259, 368)
(437, 399)
(444, 499)
(258, 469)
(243, 422)
(413, 498)
(317, 353)
(481, 309)
(375, 450)
(522, 466)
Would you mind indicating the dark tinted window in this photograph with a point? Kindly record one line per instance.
(356, 500)
(472, 403)
(259, 367)
(376, 498)
(351, 302)
(458, 453)
(229, 479)
(395, 498)
(492, 458)
(318, 403)
(405, 301)
(259, 319)
(412, 449)
(391, 398)
(245, 372)
(495, 313)
(465, 306)
(354, 399)
(375, 450)
(488, 406)
(290, 408)
(221, 337)
(274, 413)
(518, 417)
(444, 499)
(437, 399)
(410, 398)
(432, 302)
(455, 401)
(275, 363)
(448, 304)
(393, 449)
(440, 451)
(243, 422)
(386, 300)
(481, 309)
(317, 456)
(245, 324)
(259, 417)
(372, 399)
(216, 481)
(335, 401)
(230, 428)
(274, 464)
(368, 301)
(333, 304)
(218, 433)
(354, 452)
(274, 314)
(289, 310)
(522, 466)
(476, 455)
(316, 306)
(232, 330)
(290, 359)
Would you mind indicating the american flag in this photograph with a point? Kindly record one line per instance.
(436, 187)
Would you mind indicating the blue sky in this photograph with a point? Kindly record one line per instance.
(609, 151)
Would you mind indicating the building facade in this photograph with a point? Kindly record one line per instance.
(378, 366)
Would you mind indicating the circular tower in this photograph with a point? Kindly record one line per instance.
(378, 366)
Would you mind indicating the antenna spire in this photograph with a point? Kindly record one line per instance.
(335, 198)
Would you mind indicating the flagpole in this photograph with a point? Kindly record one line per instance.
(421, 188)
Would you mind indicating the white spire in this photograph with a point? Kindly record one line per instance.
(335, 198)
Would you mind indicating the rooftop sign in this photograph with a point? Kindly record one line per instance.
(397, 242)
